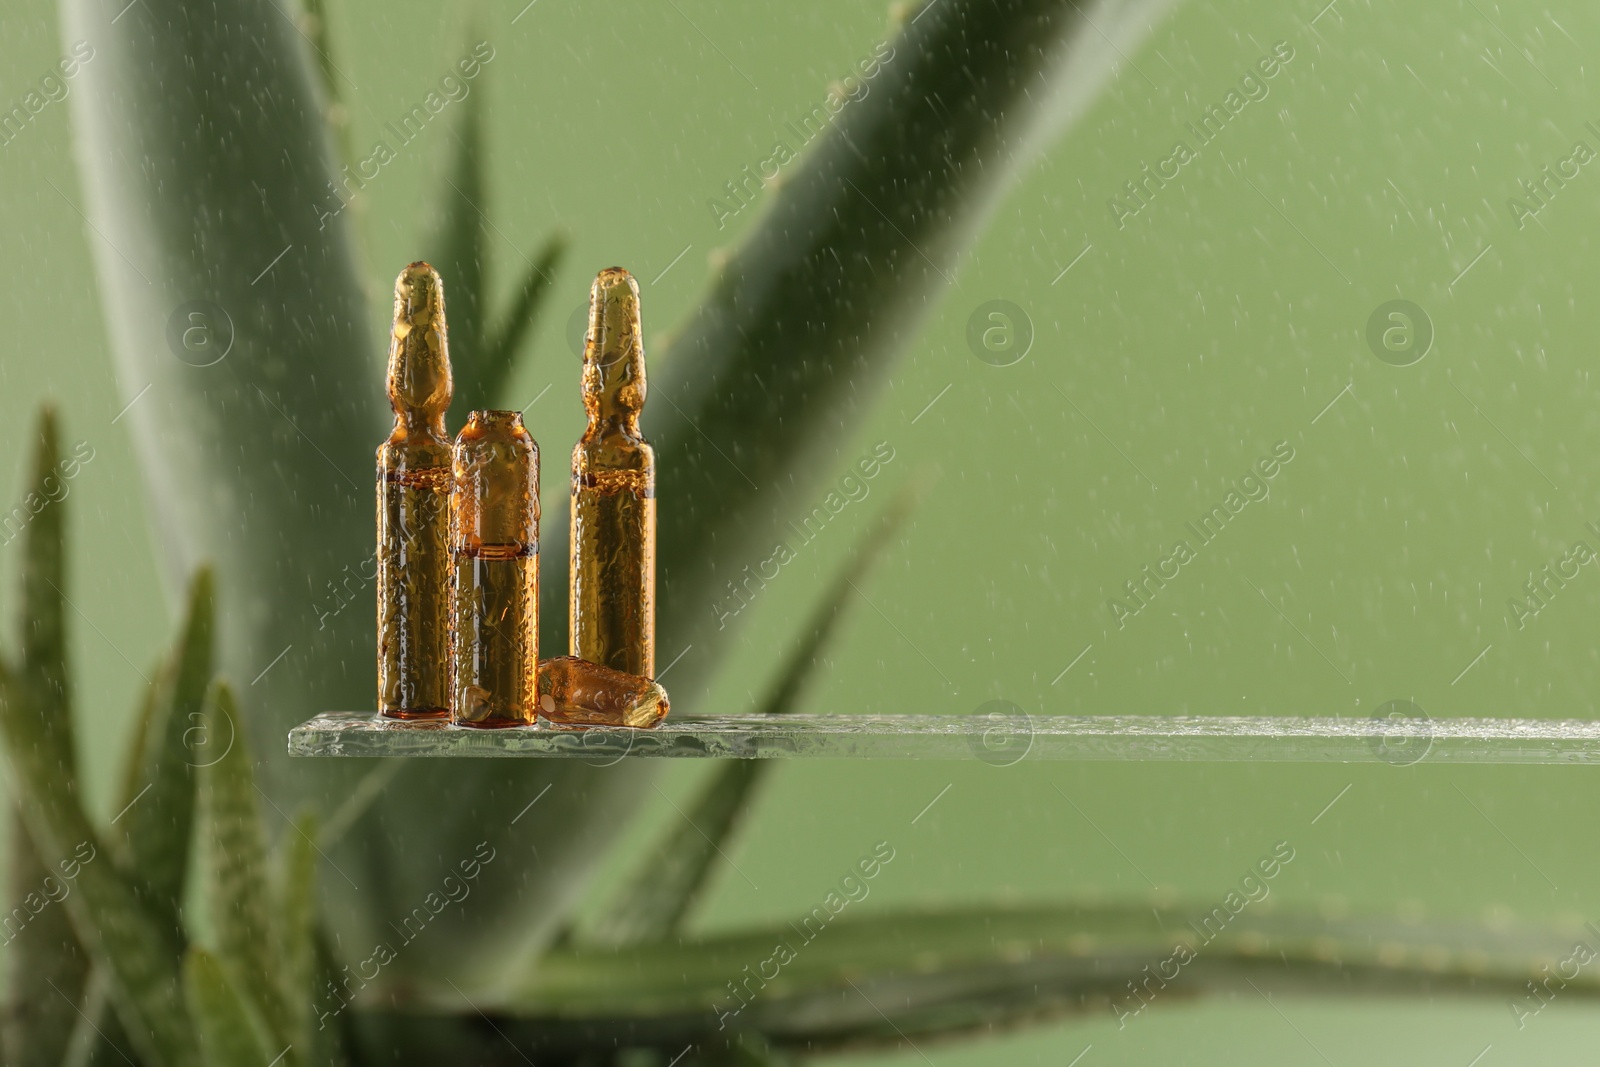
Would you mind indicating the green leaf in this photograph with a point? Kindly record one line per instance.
(671, 879)
(155, 805)
(107, 917)
(46, 969)
(42, 667)
(504, 342)
(230, 1033)
(317, 32)
(297, 927)
(97, 1037)
(234, 863)
(262, 464)
(460, 256)
(803, 324)
(156, 813)
(482, 354)
(887, 977)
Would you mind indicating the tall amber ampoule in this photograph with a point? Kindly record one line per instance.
(613, 595)
(414, 507)
(494, 541)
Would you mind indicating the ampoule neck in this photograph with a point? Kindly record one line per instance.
(411, 425)
(614, 423)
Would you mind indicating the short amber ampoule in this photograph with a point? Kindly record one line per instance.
(613, 594)
(414, 507)
(494, 541)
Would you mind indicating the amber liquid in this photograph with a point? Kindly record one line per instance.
(496, 643)
(414, 593)
(613, 594)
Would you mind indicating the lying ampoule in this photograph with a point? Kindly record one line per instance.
(575, 692)
(613, 593)
(414, 507)
(494, 541)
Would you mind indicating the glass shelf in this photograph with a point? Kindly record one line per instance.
(999, 740)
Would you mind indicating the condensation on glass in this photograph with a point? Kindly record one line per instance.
(613, 574)
(414, 507)
(494, 542)
(576, 692)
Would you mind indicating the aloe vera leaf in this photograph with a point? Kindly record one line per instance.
(457, 250)
(156, 815)
(46, 969)
(107, 917)
(670, 880)
(97, 1035)
(889, 978)
(319, 34)
(155, 804)
(892, 975)
(297, 929)
(504, 341)
(233, 859)
(230, 1035)
(257, 468)
(482, 352)
(262, 463)
(42, 672)
(787, 352)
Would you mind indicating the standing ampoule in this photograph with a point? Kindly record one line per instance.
(494, 542)
(613, 594)
(414, 507)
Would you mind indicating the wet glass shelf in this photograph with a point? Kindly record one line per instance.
(999, 741)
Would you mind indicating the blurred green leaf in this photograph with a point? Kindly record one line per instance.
(671, 878)
(155, 804)
(458, 252)
(264, 468)
(230, 1034)
(234, 863)
(97, 1035)
(297, 927)
(138, 949)
(890, 977)
(319, 34)
(760, 389)
(262, 464)
(482, 353)
(46, 969)
(157, 811)
(42, 667)
(505, 340)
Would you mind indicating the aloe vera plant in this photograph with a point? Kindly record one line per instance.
(259, 462)
(247, 984)
(259, 468)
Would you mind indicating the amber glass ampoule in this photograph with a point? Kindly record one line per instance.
(613, 594)
(494, 542)
(414, 507)
(575, 692)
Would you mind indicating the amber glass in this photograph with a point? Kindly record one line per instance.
(575, 692)
(494, 541)
(414, 507)
(613, 594)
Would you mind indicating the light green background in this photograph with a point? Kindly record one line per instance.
(1222, 319)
